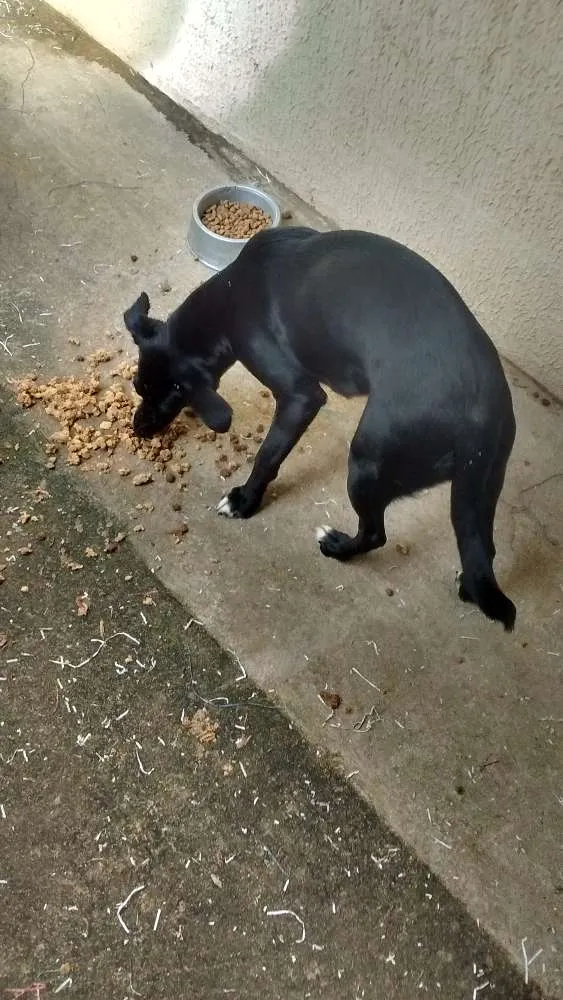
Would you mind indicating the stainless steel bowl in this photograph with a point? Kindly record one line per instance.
(215, 251)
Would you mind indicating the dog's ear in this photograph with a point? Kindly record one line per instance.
(137, 320)
(212, 409)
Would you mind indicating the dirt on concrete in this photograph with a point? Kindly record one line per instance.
(164, 830)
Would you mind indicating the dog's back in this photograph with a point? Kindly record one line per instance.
(361, 311)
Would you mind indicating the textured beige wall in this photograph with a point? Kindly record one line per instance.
(439, 123)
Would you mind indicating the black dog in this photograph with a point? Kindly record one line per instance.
(367, 317)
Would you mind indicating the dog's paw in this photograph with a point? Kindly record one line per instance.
(224, 507)
(238, 504)
(335, 544)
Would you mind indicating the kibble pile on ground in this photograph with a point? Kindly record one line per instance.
(237, 220)
(94, 413)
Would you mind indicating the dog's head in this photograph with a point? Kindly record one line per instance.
(167, 380)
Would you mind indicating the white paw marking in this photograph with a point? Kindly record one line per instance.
(224, 508)
(321, 533)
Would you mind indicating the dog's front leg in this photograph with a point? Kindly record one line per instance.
(293, 415)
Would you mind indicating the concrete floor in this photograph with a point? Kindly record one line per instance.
(465, 760)
(111, 781)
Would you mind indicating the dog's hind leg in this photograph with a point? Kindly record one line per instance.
(476, 487)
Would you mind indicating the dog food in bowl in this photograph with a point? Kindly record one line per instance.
(235, 220)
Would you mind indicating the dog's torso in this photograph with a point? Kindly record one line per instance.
(359, 313)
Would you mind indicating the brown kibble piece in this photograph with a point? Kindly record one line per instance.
(112, 544)
(82, 605)
(179, 532)
(202, 726)
(332, 699)
(142, 478)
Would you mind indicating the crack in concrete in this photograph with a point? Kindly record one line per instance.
(542, 482)
(25, 80)
(78, 184)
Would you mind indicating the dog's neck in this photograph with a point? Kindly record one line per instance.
(200, 328)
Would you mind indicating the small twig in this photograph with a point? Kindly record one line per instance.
(354, 670)
(442, 843)
(61, 662)
(528, 961)
(216, 701)
(289, 913)
(126, 901)
(132, 988)
(4, 344)
(242, 676)
(488, 763)
(141, 768)
(16, 307)
(477, 989)
(192, 621)
(367, 720)
(62, 986)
